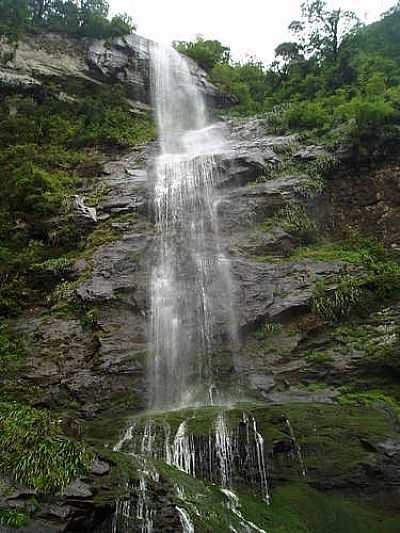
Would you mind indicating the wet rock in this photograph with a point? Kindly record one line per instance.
(78, 490)
(38, 526)
(282, 446)
(251, 205)
(390, 447)
(272, 291)
(99, 467)
(84, 210)
(310, 153)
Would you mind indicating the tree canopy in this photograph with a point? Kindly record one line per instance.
(336, 77)
(88, 18)
(207, 53)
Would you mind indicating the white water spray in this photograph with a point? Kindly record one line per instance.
(191, 288)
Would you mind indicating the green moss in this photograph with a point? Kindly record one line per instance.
(370, 398)
(103, 234)
(356, 249)
(205, 503)
(318, 358)
(328, 434)
(297, 508)
(11, 350)
(34, 451)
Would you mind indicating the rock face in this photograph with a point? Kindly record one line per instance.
(88, 352)
(126, 60)
(99, 358)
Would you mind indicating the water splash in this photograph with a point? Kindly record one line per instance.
(246, 526)
(191, 286)
(187, 525)
(229, 451)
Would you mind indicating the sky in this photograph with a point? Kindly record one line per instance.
(248, 27)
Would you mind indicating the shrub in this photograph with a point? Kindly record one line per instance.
(207, 53)
(35, 452)
(380, 281)
(339, 302)
(11, 350)
(13, 518)
(368, 113)
(308, 115)
(295, 218)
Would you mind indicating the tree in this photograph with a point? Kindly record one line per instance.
(80, 17)
(207, 53)
(13, 17)
(39, 10)
(321, 31)
(286, 54)
(122, 24)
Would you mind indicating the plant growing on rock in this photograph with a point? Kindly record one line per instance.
(334, 304)
(295, 218)
(13, 518)
(35, 452)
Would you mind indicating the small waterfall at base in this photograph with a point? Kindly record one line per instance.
(191, 287)
(229, 454)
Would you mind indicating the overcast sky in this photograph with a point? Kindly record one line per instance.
(248, 27)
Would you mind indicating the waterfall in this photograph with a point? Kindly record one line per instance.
(191, 287)
(192, 311)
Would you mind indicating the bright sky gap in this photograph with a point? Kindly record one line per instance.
(253, 31)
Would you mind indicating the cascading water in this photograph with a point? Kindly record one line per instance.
(191, 288)
(192, 308)
(230, 451)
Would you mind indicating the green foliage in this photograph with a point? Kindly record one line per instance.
(317, 358)
(268, 329)
(44, 144)
(88, 18)
(340, 78)
(34, 451)
(13, 518)
(379, 280)
(102, 235)
(206, 53)
(335, 303)
(307, 115)
(11, 350)
(294, 218)
(13, 16)
(321, 31)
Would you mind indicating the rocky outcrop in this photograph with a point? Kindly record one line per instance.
(62, 59)
(96, 357)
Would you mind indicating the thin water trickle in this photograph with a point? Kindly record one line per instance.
(297, 447)
(191, 288)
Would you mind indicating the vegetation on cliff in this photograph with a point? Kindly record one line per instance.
(338, 78)
(87, 18)
(34, 450)
(46, 146)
